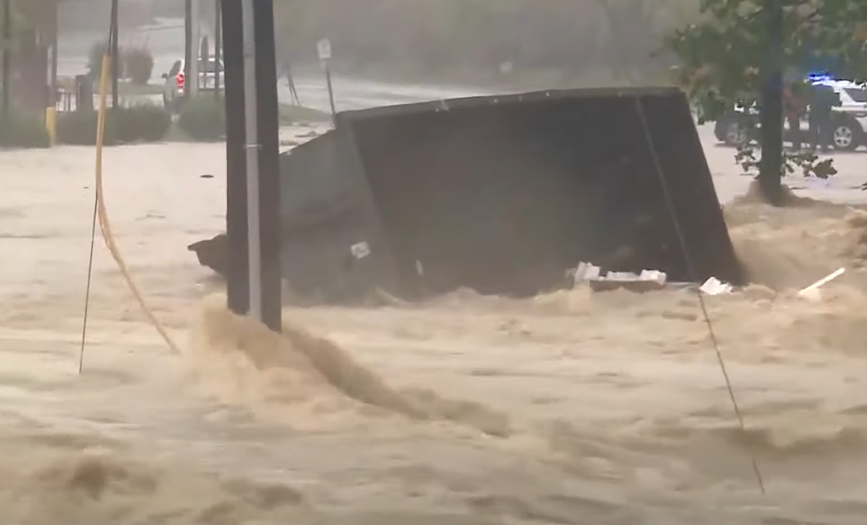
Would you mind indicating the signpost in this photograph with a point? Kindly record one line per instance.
(252, 162)
(323, 47)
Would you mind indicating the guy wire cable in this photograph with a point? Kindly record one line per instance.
(681, 238)
(105, 225)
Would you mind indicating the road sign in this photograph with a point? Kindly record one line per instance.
(324, 49)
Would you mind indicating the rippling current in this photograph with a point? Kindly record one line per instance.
(573, 407)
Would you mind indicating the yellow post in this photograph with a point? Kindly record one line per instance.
(51, 123)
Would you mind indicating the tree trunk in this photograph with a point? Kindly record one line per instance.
(771, 103)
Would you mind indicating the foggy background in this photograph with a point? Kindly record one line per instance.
(550, 43)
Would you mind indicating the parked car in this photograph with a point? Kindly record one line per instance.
(850, 118)
(173, 88)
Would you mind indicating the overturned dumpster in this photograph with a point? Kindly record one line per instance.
(501, 194)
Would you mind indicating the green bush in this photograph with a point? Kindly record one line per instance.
(79, 128)
(203, 118)
(138, 64)
(141, 123)
(23, 130)
(154, 120)
(145, 123)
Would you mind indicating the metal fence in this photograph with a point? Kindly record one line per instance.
(65, 100)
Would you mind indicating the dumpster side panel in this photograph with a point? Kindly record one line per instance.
(504, 195)
(325, 211)
(690, 184)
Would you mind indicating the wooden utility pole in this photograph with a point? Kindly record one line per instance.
(771, 104)
(6, 62)
(252, 162)
(114, 53)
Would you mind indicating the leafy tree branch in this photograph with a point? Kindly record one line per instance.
(722, 56)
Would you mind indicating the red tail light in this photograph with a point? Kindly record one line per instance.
(180, 80)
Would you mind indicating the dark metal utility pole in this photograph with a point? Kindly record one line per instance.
(238, 291)
(189, 52)
(771, 103)
(252, 163)
(6, 42)
(268, 110)
(53, 57)
(115, 54)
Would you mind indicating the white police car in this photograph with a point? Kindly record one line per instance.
(849, 121)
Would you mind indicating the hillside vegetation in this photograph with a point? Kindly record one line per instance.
(559, 41)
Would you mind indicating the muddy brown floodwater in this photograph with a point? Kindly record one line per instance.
(576, 407)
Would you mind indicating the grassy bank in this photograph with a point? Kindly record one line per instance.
(459, 41)
(291, 114)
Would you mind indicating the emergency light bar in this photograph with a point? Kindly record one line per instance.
(819, 76)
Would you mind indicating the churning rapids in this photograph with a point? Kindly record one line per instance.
(574, 407)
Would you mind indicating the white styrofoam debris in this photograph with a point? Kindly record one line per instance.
(360, 250)
(653, 275)
(714, 286)
(588, 272)
(585, 272)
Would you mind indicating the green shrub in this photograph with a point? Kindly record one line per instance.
(138, 64)
(79, 128)
(23, 130)
(148, 122)
(203, 118)
(144, 123)
(126, 129)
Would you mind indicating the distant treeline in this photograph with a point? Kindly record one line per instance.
(93, 15)
(567, 40)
